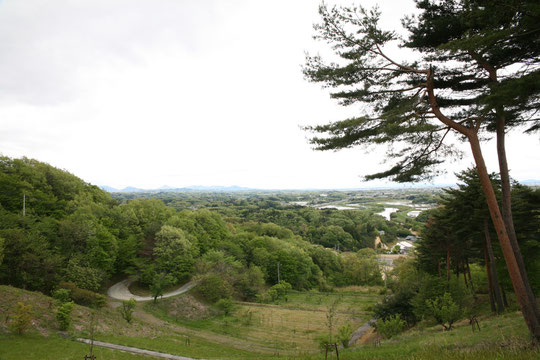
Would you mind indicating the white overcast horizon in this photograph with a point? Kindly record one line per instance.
(180, 93)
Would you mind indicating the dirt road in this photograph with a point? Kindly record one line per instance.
(120, 291)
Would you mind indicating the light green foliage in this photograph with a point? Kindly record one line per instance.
(63, 315)
(344, 334)
(174, 253)
(21, 320)
(444, 310)
(207, 227)
(390, 327)
(282, 288)
(361, 268)
(331, 312)
(127, 309)
(404, 275)
(62, 295)
(268, 296)
(276, 292)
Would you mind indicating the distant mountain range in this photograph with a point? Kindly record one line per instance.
(199, 188)
(196, 188)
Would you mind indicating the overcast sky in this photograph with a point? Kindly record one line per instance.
(182, 92)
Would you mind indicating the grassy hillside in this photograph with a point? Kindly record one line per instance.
(285, 330)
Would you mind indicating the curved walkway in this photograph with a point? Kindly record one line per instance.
(134, 350)
(120, 291)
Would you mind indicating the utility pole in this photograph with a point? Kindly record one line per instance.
(278, 277)
(24, 205)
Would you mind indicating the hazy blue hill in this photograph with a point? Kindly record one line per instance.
(195, 188)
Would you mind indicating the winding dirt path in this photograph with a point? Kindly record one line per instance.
(120, 291)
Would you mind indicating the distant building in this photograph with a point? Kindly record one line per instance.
(405, 247)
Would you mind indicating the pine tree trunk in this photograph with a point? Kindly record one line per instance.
(528, 308)
(493, 269)
(447, 266)
(490, 281)
(468, 270)
(506, 205)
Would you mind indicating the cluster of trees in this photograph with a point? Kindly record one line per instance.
(476, 69)
(348, 230)
(456, 264)
(56, 230)
(459, 233)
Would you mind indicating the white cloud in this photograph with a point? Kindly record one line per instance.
(148, 93)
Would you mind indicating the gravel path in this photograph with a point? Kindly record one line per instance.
(136, 350)
(120, 291)
(360, 332)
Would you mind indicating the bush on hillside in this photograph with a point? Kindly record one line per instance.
(212, 287)
(444, 310)
(390, 327)
(63, 315)
(22, 319)
(84, 297)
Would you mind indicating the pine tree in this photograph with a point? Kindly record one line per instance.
(413, 106)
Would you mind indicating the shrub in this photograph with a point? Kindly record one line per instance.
(127, 308)
(213, 287)
(225, 305)
(268, 296)
(324, 340)
(391, 326)
(63, 315)
(399, 303)
(84, 297)
(62, 295)
(282, 288)
(22, 319)
(344, 334)
(444, 310)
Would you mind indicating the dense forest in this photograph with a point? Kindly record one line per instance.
(56, 229)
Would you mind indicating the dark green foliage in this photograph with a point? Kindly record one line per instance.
(475, 62)
(397, 304)
(457, 229)
(84, 297)
(226, 305)
(250, 283)
(160, 281)
(212, 287)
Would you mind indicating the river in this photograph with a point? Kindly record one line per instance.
(387, 211)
